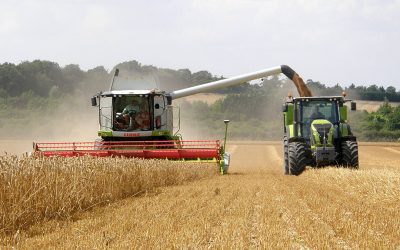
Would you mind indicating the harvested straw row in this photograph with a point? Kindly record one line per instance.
(39, 189)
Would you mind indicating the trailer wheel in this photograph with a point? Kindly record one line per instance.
(297, 158)
(285, 155)
(350, 154)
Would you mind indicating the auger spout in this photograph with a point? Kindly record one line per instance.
(224, 83)
(302, 88)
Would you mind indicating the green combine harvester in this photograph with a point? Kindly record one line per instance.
(316, 133)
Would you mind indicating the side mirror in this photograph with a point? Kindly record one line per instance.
(169, 100)
(94, 101)
(157, 106)
(353, 106)
(284, 108)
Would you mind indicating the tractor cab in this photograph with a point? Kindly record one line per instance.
(319, 115)
(305, 115)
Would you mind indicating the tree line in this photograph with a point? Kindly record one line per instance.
(46, 78)
(368, 93)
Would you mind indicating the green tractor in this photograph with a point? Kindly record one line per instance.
(316, 134)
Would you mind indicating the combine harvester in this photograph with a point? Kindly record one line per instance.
(136, 120)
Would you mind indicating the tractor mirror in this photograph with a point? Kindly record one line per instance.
(94, 101)
(353, 106)
(284, 108)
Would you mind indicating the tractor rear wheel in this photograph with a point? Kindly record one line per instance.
(285, 155)
(297, 158)
(350, 154)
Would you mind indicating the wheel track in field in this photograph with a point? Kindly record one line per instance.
(388, 157)
(313, 217)
(392, 150)
(287, 216)
(255, 220)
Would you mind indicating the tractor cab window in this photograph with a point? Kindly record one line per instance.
(317, 109)
(131, 113)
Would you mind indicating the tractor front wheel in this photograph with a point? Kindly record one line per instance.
(297, 158)
(350, 154)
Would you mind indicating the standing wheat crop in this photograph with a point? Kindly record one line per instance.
(37, 189)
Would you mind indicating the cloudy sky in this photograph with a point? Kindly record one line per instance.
(336, 41)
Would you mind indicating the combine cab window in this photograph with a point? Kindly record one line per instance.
(105, 113)
(132, 113)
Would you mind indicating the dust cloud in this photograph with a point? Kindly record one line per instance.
(184, 125)
(266, 123)
(74, 120)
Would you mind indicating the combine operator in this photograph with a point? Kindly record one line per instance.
(131, 109)
(138, 113)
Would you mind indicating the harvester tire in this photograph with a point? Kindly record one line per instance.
(297, 158)
(350, 154)
(285, 155)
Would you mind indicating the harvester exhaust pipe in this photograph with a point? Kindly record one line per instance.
(286, 70)
(116, 73)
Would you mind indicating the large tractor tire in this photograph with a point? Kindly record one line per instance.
(285, 155)
(350, 154)
(297, 158)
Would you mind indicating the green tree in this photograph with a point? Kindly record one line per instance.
(11, 79)
(391, 90)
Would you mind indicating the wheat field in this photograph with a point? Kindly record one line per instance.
(40, 189)
(254, 206)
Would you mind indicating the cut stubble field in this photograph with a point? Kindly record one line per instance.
(255, 206)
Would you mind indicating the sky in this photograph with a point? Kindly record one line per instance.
(336, 41)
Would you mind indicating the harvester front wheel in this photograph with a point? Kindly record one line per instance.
(285, 155)
(297, 158)
(350, 154)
